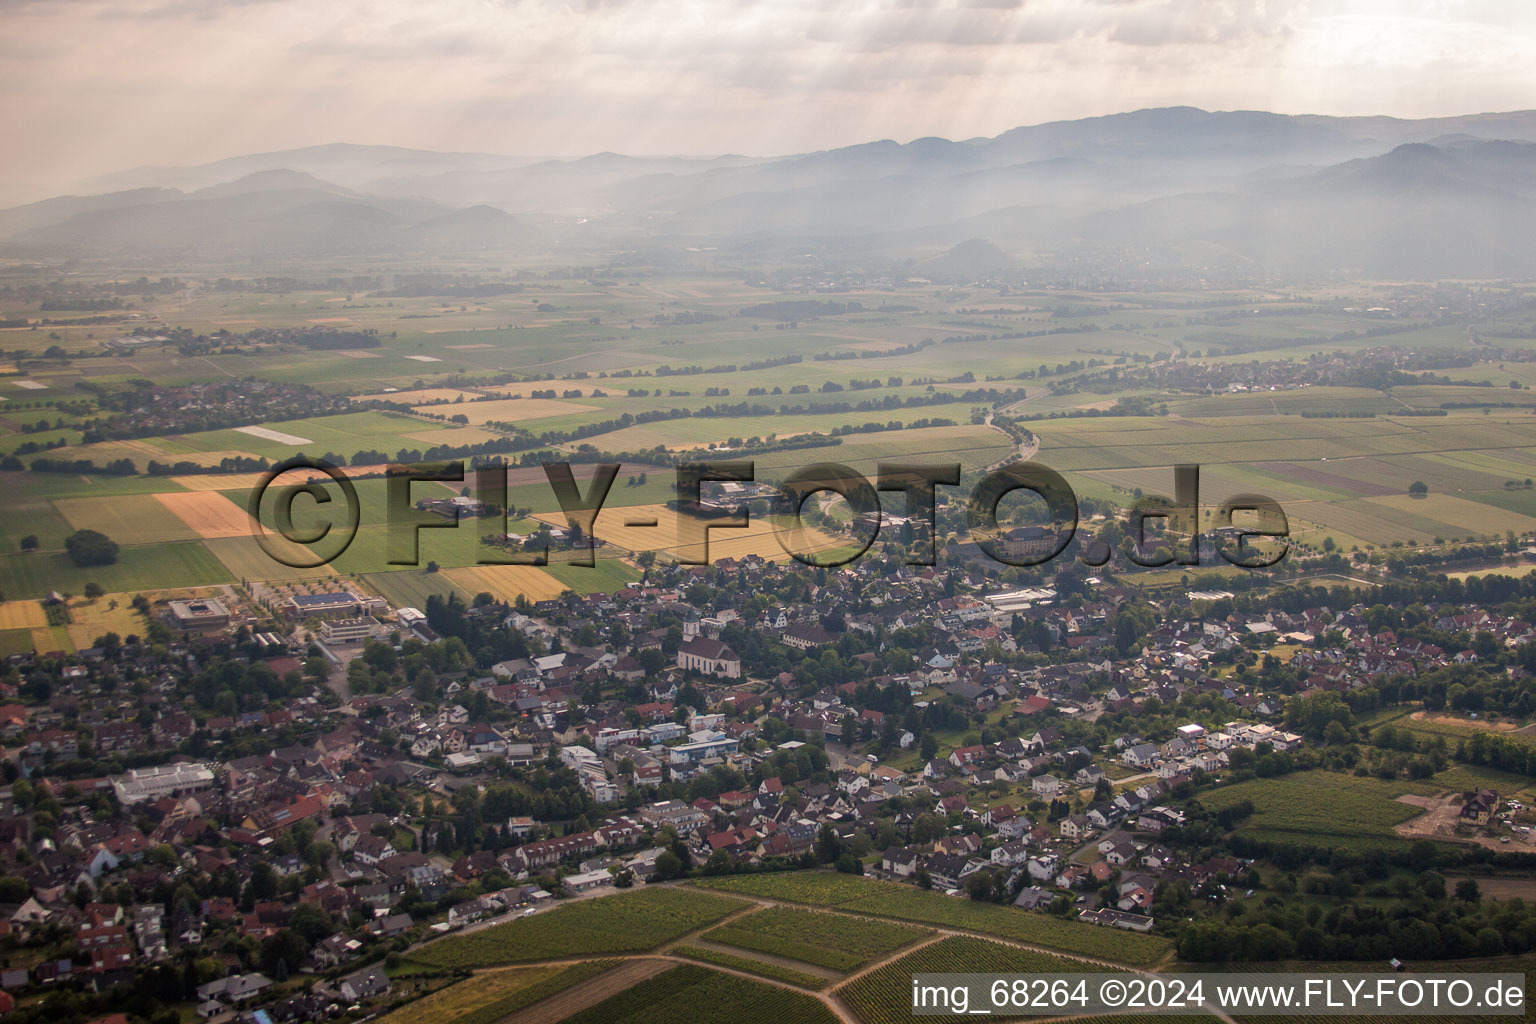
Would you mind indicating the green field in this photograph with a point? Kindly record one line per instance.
(696, 995)
(1344, 478)
(855, 894)
(741, 963)
(884, 995)
(15, 641)
(1459, 730)
(1321, 808)
(624, 922)
(492, 995)
(604, 576)
(1465, 777)
(127, 518)
(153, 567)
(826, 940)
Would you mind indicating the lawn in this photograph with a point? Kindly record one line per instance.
(625, 922)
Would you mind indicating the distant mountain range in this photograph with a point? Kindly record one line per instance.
(1248, 189)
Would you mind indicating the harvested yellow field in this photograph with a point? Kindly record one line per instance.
(209, 513)
(22, 615)
(506, 582)
(759, 537)
(455, 435)
(509, 410)
(43, 640)
(418, 396)
(217, 481)
(522, 389)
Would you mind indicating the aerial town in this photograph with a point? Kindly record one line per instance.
(202, 799)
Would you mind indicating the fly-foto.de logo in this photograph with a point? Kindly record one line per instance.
(1230, 525)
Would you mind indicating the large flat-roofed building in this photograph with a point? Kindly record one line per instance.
(201, 613)
(348, 631)
(702, 746)
(344, 604)
(139, 784)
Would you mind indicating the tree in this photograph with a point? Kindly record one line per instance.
(1418, 489)
(29, 542)
(1467, 890)
(263, 884)
(89, 547)
(93, 590)
(285, 948)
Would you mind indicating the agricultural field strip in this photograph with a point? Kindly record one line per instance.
(1089, 931)
(1343, 809)
(834, 999)
(690, 993)
(626, 922)
(723, 957)
(881, 994)
(816, 936)
(489, 996)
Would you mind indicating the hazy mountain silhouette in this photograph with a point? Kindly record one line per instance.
(1443, 197)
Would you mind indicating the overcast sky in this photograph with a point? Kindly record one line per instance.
(90, 86)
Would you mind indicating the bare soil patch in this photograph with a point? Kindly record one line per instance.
(1467, 723)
